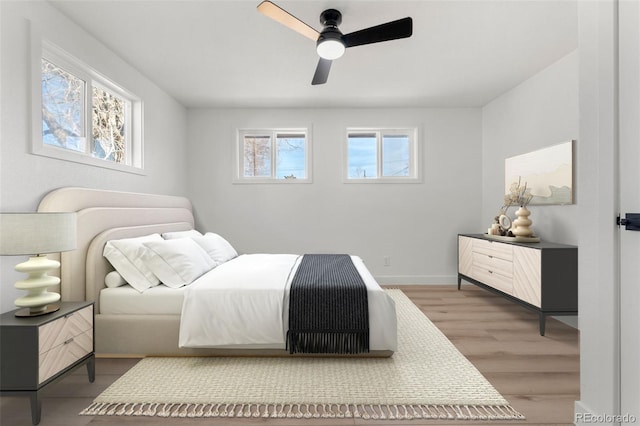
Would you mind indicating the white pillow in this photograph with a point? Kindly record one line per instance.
(126, 257)
(177, 262)
(113, 279)
(219, 249)
(181, 234)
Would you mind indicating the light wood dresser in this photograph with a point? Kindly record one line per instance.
(35, 351)
(539, 276)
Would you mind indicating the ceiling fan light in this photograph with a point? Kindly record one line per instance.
(330, 49)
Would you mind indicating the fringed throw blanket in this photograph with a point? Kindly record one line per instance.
(328, 307)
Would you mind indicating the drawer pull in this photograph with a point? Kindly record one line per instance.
(491, 272)
(490, 257)
(68, 341)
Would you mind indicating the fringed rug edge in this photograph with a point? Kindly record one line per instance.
(360, 411)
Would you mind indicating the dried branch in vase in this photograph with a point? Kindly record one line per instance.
(519, 195)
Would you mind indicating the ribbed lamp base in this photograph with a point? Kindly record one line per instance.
(37, 301)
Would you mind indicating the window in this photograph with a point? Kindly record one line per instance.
(381, 155)
(273, 155)
(81, 116)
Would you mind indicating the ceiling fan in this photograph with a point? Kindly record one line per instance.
(330, 42)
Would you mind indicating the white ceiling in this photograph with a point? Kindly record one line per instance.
(214, 53)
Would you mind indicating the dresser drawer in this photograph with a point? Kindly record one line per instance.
(493, 279)
(493, 264)
(59, 357)
(57, 332)
(501, 251)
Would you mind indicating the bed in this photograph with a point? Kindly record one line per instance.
(133, 323)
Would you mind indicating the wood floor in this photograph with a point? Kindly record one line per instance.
(539, 376)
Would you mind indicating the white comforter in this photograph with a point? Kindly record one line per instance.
(244, 303)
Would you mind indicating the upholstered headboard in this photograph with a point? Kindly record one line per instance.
(105, 215)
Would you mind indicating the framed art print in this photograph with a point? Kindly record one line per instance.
(548, 173)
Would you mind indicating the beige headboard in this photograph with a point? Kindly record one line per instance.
(104, 215)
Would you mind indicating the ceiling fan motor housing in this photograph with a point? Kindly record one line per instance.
(329, 34)
(330, 18)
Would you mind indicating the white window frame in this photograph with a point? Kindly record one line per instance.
(44, 49)
(415, 169)
(241, 133)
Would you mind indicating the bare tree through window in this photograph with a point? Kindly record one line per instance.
(257, 156)
(108, 126)
(291, 152)
(274, 155)
(64, 109)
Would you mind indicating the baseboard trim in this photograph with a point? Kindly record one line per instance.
(416, 279)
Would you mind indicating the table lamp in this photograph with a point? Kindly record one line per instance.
(35, 235)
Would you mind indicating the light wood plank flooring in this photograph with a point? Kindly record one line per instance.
(539, 376)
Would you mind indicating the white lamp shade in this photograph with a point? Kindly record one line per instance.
(36, 233)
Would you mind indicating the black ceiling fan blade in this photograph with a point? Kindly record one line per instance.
(322, 72)
(401, 28)
(278, 14)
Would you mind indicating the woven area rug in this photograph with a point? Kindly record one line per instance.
(426, 378)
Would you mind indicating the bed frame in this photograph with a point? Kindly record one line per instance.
(105, 215)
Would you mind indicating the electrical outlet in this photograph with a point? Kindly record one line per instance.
(387, 261)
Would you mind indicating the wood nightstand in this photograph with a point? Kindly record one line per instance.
(36, 351)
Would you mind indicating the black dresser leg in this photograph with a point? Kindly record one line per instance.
(36, 407)
(542, 323)
(91, 368)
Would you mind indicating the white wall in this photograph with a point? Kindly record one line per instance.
(540, 112)
(413, 224)
(26, 178)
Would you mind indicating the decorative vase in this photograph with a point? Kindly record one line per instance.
(520, 226)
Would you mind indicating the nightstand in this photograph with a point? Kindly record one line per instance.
(36, 351)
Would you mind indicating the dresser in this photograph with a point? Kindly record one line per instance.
(540, 276)
(35, 351)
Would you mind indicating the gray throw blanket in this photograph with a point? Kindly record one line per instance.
(328, 307)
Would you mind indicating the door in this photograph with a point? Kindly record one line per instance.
(629, 161)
